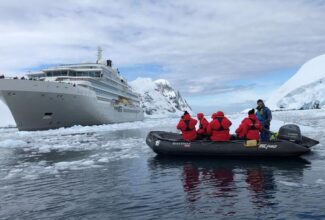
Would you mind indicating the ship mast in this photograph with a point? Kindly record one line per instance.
(99, 55)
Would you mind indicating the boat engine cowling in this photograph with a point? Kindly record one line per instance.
(290, 132)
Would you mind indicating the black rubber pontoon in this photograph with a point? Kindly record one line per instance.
(167, 143)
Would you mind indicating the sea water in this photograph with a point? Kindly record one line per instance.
(108, 172)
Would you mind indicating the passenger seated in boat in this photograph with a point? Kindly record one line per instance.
(218, 128)
(250, 127)
(202, 131)
(187, 127)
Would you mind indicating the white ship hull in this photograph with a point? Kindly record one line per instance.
(41, 105)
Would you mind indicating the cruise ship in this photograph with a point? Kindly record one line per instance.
(72, 94)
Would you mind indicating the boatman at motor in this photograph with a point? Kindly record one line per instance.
(203, 126)
(187, 127)
(264, 115)
(250, 127)
(218, 128)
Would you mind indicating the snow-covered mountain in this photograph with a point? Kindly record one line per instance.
(159, 99)
(305, 90)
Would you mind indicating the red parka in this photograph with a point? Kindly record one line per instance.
(249, 128)
(203, 124)
(219, 127)
(187, 126)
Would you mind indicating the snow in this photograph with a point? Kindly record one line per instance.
(81, 130)
(162, 82)
(12, 143)
(245, 111)
(159, 99)
(141, 85)
(305, 90)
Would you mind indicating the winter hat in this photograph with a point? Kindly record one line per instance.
(251, 112)
(260, 100)
(186, 113)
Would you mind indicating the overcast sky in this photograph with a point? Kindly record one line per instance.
(219, 54)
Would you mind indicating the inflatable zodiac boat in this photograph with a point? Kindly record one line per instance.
(288, 143)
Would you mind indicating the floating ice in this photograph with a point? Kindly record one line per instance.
(292, 184)
(80, 147)
(320, 181)
(13, 143)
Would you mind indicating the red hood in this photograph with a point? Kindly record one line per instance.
(187, 117)
(252, 116)
(219, 114)
(200, 116)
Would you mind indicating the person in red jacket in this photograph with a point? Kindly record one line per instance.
(202, 131)
(187, 127)
(250, 127)
(219, 127)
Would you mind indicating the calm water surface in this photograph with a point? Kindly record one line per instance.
(104, 173)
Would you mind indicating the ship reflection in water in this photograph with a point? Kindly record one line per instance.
(226, 186)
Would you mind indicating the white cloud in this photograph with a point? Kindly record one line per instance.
(199, 44)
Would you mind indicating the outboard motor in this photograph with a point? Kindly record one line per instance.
(290, 132)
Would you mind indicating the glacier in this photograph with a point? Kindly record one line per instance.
(305, 90)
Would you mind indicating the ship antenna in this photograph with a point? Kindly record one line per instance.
(99, 54)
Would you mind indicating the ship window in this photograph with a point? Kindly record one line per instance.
(97, 74)
(82, 73)
(92, 74)
(47, 115)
